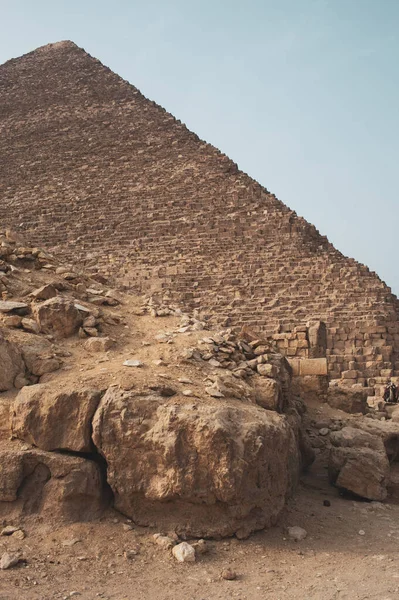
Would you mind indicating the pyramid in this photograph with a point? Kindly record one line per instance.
(92, 168)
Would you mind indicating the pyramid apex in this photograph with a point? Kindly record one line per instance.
(64, 44)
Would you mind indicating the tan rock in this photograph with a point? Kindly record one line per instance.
(269, 394)
(313, 366)
(347, 399)
(44, 293)
(58, 486)
(30, 325)
(55, 420)
(202, 469)
(38, 355)
(12, 321)
(11, 364)
(99, 344)
(58, 316)
(267, 370)
(358, 463)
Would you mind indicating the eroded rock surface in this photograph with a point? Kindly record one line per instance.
(358, 463)
(11, 364)
(58, 486)
(58, 316)
(206, 469)
(52, 419)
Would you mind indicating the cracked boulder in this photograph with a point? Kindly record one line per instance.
(215, 468)
(38, 354)
(11, 364)
(54, 419)
(56, 486)
(358, 463)
(58, 316)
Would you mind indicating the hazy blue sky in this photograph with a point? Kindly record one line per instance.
(302, 94)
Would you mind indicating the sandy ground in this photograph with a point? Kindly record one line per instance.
(335, 561)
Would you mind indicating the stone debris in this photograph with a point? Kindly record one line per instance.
(297, 533)
(9, 560)
(133, 363)
(201, 547)
(9, 530)
(164, 541)
(358, 463)
(8, 306)
(228, 574)
(72, 542)
(99, 344)
(184, 552)
(131, 553)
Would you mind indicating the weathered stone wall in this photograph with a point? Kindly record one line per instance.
(90, 166)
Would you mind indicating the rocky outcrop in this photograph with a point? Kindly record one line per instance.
(204, 469)
(55, 420)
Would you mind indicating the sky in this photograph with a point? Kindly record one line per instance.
(301, 94)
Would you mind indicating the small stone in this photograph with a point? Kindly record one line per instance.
(215, 363)
(7, 306)
(12, 321)
(214, 392)
(127, 527)
(131, 553)
(18, 535)
(267, 370)
(324, 431)
(187, 392)
(9, 560)
(162, 338)
(326, 503)
(163, 390)
(82, 308)
(71, 542)
(362, 532)
(99, 344)
(297, 533)
(30, 325)
(201, 547)
(132, 363)
(184, 380)
(44, 293)
(184, 552)
(163, 540)
(9, 530)
(228, 574)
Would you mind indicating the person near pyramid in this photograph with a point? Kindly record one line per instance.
(391, 393)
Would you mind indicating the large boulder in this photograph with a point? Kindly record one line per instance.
(38, 354)
(58, 316)
(11, 364)
(346, 399)
(214, 468)
(358, 463)
(55, 420)
(58, 486)
(387, 431)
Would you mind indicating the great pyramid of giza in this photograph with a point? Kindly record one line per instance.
(91, 167)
